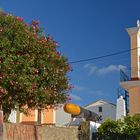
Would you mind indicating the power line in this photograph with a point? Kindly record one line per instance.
(103, 56)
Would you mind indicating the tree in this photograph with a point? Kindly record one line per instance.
(110, 127)
(130, 126)
(32, 71)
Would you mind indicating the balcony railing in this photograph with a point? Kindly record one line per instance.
(125, 75)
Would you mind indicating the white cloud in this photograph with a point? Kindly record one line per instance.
(97, 92)
(79, 88)
(91, 68)
(111, 68)
(86, 65)
(122, 67)
(75, 97)
(105, 70)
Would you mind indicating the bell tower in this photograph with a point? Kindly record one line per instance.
(133, 85)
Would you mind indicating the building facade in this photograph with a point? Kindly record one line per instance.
(48, 116)
(103, 108)
(59, 117)
(132, 85)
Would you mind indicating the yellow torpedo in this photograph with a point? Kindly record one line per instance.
(72, 109)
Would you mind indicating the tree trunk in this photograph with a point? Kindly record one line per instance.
(18, 115)
(39, 116)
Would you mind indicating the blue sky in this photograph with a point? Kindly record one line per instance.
(85, 29)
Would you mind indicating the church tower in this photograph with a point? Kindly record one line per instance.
(133, 84)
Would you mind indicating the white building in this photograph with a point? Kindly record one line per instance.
(100, 107)
(61, 117)
(103, 108)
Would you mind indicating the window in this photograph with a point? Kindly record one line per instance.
(100, 109)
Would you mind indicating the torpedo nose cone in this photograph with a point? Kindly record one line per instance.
(72, 109)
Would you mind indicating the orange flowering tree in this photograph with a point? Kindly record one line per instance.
(32, 71)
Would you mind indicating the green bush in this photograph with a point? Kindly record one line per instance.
(130, 126)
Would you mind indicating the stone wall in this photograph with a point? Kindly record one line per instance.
(18, 132)
(57, 133)
(46, 132)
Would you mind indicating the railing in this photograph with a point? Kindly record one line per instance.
(124, 93)
(125, 75)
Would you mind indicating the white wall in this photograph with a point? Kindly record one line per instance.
(12, 117)
(121, 110)
(108, 110)
(61, 118)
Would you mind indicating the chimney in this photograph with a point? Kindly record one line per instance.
(121, 110)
